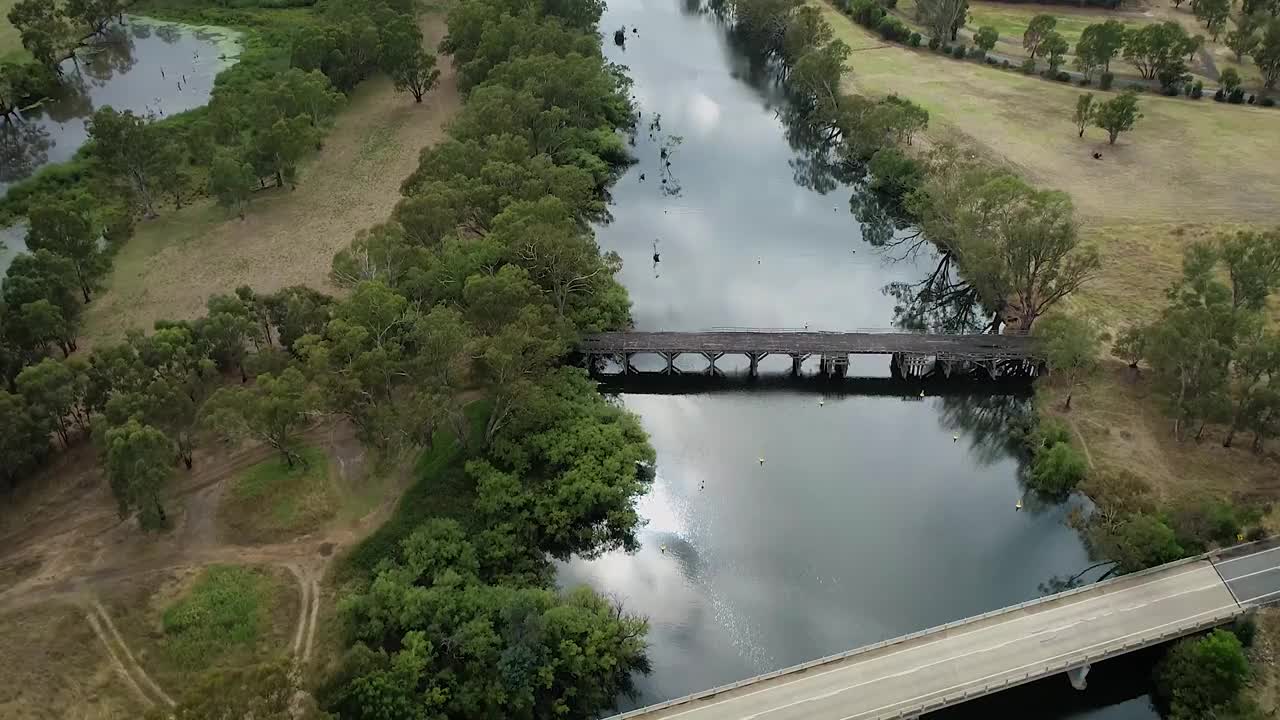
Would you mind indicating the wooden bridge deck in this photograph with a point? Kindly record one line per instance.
(957, 347)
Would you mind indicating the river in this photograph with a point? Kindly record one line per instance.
(789, 522)
(151, 67)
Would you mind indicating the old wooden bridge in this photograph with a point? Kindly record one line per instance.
(913, 355)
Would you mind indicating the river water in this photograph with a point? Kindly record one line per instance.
(788, 522)
(151, 67)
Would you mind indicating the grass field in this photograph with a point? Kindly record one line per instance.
(56, 668)
(189, 621)
(173, 264)
(10, 44)
(1011, 20)
(272, 501)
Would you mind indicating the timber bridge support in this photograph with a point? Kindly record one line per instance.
(912, 356)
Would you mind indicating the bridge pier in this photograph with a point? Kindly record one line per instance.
(1078, 676)
(670, 357)
(711, 362)
(754, 358)
(795, 365)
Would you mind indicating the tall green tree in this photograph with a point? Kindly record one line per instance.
(1254, 371)
(25, 439)
(45, 31)
(1071, 346)
(41, 276)
(1252, 260)
(1055, 48)
(1213, 13)
(1037, 30)
(1117, 115)
(1136, 543)
(96, 15)
(1084, 112)
(402, 56)
(127, 146)
(1267, 54)
(65, 225)
(231, 180)
(273, 411)
(1242, 41)
(55, 392)
(1158, 50)
(1020, 246)
(1102, 42)
(138, 460)
(986, 38)
(940, 16)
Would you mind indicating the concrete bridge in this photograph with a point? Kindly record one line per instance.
(944, 666)
(913, 355)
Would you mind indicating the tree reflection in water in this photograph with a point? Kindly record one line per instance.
(24, 146)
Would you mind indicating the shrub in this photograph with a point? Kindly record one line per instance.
(1236, 97)
(1251, 98)
(934, 43)
(1058, 470)
(1137, 87)
(1220, 96)
(1201, 676)
(1267, 102)
(1197, 90)
(958, 52)
(914, 40)
(977, 54)
(894, 173)
(1105, 80)
(990, 60)
(890, 4)
(1005, 64)
(1028, 67)
(1063, 77)
(1084, 82)
(1245, 629)
(890, 28)
(1170, 91)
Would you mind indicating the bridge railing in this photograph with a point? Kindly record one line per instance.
(1094, 587)
(871, 331)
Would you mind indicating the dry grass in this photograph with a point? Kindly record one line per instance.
(10, 44)
(1184, 162)
(171, 267)
(55, 668)
(1122, 423)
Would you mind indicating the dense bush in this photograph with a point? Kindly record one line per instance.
(1220, 95)
(934, 43)
(1137, 87)
(866, 13)
(1236, 97)
(1084, 82)
(1201, 677)
(1105, 80)
(1063, 76)
(890, 4)
(891, 28)
(914, 40)
(957, 52)
(1197, 90)
(1058, 470)
(1004, 64)
(1028, 67)
(894, 173)
(1267, 102)
(990, 60)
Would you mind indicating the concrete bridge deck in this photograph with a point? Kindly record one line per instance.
(940, 667)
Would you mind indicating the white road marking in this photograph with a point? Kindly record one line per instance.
(1246, 557)
(1259, 597)
(1249, 575)
(840, 667)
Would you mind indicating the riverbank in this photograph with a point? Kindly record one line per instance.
(174, 263)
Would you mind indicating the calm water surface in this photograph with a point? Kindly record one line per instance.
(872, 515)
(123, 71)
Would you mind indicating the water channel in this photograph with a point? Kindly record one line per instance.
(150, 67)
(781, 529)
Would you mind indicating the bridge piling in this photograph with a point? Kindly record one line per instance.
(1078, 676)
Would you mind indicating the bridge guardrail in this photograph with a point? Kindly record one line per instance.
(712, 692)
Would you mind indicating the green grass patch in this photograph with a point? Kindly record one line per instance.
(272, 500)
(225, 611)
(1011, 22)
(440, 488)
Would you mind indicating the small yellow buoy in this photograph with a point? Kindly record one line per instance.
(1018, 506)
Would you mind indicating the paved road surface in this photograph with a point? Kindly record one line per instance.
(1253, 579)
(982, 655)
